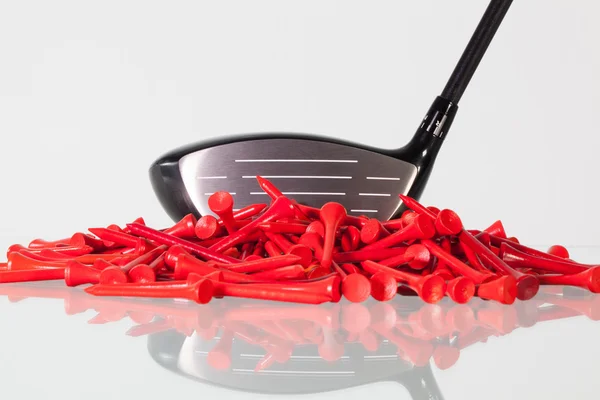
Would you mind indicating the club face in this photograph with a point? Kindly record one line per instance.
(312, 171)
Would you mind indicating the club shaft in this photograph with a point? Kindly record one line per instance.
(475, 50)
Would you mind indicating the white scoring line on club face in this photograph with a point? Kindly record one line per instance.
(298, 160)
(303, 193)
(375, 194)
(296, 177)
(381, 178)
(246, 355)
(364, 211)
(290, 372)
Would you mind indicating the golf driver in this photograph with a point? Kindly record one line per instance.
(313, 169)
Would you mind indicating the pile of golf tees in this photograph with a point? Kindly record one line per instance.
(290, 252)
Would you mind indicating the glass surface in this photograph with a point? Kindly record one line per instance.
(60, 342)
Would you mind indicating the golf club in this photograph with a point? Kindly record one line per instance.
(314, 169)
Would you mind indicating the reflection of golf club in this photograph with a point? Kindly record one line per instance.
(254, 346)
(304, 373)
(314, 169)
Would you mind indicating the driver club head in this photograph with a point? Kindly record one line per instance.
(314, 170)
(311, 169)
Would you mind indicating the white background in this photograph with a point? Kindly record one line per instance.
(92, 92)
